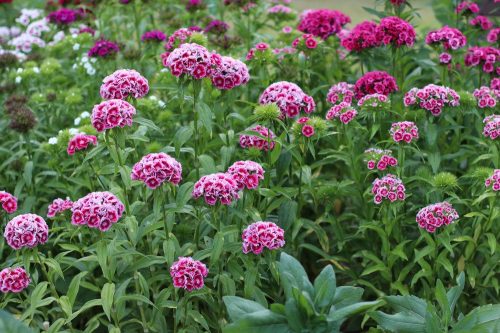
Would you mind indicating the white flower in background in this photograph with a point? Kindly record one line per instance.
(76, 47)
(85, 114)
(36, 28)
(93, 60)
(4, 34)
(28, 15)
(91, 71)
(24, 42)
(53, 141)
(36, 70)
(18, 79)
(161, 104)
(77, 121)
(59, 36)
(73, 131)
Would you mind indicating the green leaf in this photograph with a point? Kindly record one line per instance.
(293, 275)
(408, 303)
(218, 246)
(324, 287)
(287, 214)
(148, 123)
(107, 295)
(402, 322)
(454, 293)
(9, 324)
(205, 115)
(443, 302)
(238, 307)
(484, 319)
(339, 316)
(182, 136)
(263, 321)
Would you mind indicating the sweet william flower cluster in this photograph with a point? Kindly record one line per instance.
(112, 113)
(265, 140)
(156, 168)
(405, 131)
(13, 280)
(247, 174)
(97, 210)
(395, 31)
(80, 142)
(191, 59)
(388, 187)
(58, 206)
(340, 92)
(374, 102)
(262, 235)
(229, 73)
(188, 273)
(432, 98)
(486, 97)
(26, 230)
(322, 22)
(449, 38)
(493, 181)
(124, 83)
(492, 126)
(485, 56)
(8, 201)
(290, 99)
(362, 37)
(378, 82)
(379, 159)
(436, 216)
(216, 187)
(343, 111)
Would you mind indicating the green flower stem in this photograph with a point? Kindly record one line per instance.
(140, 304)
(196, 91)
(36, 258)
(120, 162)
(97, 175)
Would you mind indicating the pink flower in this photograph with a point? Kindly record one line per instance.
(13, 280)
(343, 111)
(482, 22)
(153, 36)
(467, 8)
(26, 230)
(260, 235)
(487, 97)
(492, 36)
(8, 201)
(103, 48)
(112, 113)
(188, 273)
(445, 58)
(287, 29)
(178, 38)
(432, 98)
(494, 181)
(308, 131)
(58, 206)
(379, 158)
(262, 46)
(80, 142)
(361, 37)
(492, 126)
(191, 59)
(289, 98)
(157, 168)
(246, 174)
(435, 216)
(97, 210)
(305, 42)
(340, 92)
(450, 38)
(254, 141)
(486, 56)
(124, 83)
(396, 31)
(404, 131)
(388, 187)
(229, 74)
(375, 82)
(220, 187)
(398, 2)
(322, 22)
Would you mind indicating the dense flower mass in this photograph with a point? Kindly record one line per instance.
(178, 38)
(467, 8)
(220, 187)
(398, 2)
(492, 126)
(361, 37)
(375, 82)
(26, 230)
(388, 187)
(216, 27)
(191, 59)
(247, 174)
(103, 48)
(97, 210)
(156, 168)
(404, 131)
(261, 235)
(263, 140)
(58, 206)
(343, 111)
(436, 215)
(153, 36)
(482, 22)
(25, 42)
(80, 142)
(8, 201)
(112, 113)
(432, 98)
(124, 83)
(493, 181)
(450, 38)
(486, 56)
(341, 92)
(188, 273)
(322, 22)
(64, 16)
(230, 73)
(289, 98)
(380, 159)
(28, 15)
(37, 28)
(13, 280)
(487, 97)
(395, 31)
(374, 102)
(305, 42)
(492, 36)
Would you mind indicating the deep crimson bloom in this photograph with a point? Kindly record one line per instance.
(436, 215)
(451, 38)
(153, 36)
(26, 230)
(97, 210)
(230, 73)
(388, 187)
(188, 273)
(322, 22)
(254, 141)
(103, 48)
(487, 56)
(6, 1)
(112, 113)
(492, 36)
(432, 98)
(80, 142)
(289, 98)
(492, 126)
(494, 181)
(124, 83)
(191, 59)
(361, 37)
(65, 16)
(261, 235)
(380, 159)
(375, 82)
(398, 2)
(404, 131)
(156, 168)
(216, 187)
(482, 22)
(247, 174)
(13, 280)
(395, 31)
(8, 201)
(307, 131)
(58, 206)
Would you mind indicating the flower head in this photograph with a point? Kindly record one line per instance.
(153, 36)
(305, 42)
(261, 235)
(487, 97)
(361, 37)
(80, 142)
(493, 181)
(436, 215)
(217, 27)
(124, 83)
(404, 131)
(432, 98)
(156, 168)
(64, 16)
(388, 187)
(374, 102)
(467, 8)
(26, 230)
(112, 113)
(379, 159)
(247, 174)
(13, 280)
(58, 206)
(492, 36)
(188, 273)
(97, 210)
(487, 56)
(230, 73)
(322, 22)
(340, 92)
(379, 82)
(492, 126)
(191, 59)
(395, 31)
(265, 140)
(450, 38)
(8, 201)
(343, 112)
(215, 187)
(482, 22)
(289, 98)
(103, 48)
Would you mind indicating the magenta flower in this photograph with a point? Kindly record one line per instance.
(450, 38)
(445, 58)
(404, 131)
(361, 37)
(157, 168)
(395, 31)
(492, 36)
(246, 174)
(217, 27)
(58, 206)
(178, 38)
(388, 187)
(374, 102)
(436, 215)
(103, 48)
(261, 235)
(13, 280)
(398, 2)
(492, 126)
(65, 16)
(487, 56)
(322, 22)
(124, 83)
(494, 181)
(340, 92)
(8, 201)
(112, 113)
(254, 141)
(188, 273)
(379, 82)
(467, 8)
(289, 98)
(379, 159)
(482, 22)
(305, 42)
(26, 230)
(191, 59)
(80, 142)
(487, 97)
(153, 36)
(220, 187)
(307, 131)
(432, 98)
(97, 210)
(229, 74)
(343, 112)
